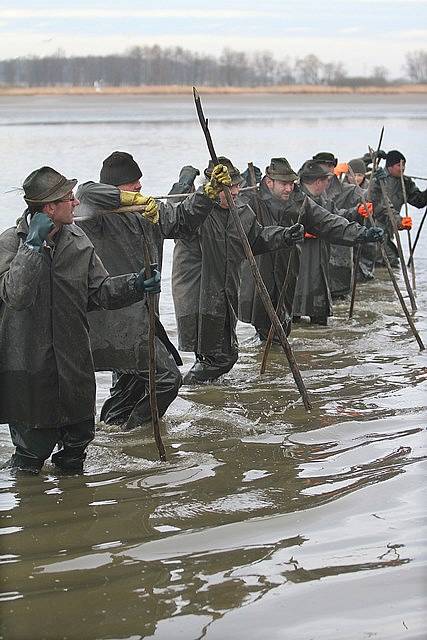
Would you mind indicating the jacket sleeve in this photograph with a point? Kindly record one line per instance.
(110, 292)
(20, 271)
(414, 196)
(329, 226)
(181, 220)
(95, 196)
(266, 239)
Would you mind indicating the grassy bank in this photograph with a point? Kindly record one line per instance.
(178, 89)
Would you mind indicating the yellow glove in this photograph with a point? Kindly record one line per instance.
(151, 209)
(219, 179)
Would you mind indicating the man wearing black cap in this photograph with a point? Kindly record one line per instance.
(312, 295)
(279, 201)
(205, 280)
(50, 277)
(119, 340)
(393, 184)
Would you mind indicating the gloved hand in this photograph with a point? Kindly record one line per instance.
(374, 234)
(406, 223)
(247, 177)
(342, 167)
(40, 227)
(380, 174)
(294, 235)
(381, 155)
(151, 209)
(367, 211)
(151, 284)
(218, 180)
(187, 175)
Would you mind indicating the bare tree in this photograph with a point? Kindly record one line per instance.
(416, 66)
(308, 69)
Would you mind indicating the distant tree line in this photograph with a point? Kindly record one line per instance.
(173, 65)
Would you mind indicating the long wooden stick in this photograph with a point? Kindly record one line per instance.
(416, 178)
(280, 307)
(263, 293)
(152, 358)
(405, 200)
(359, 247)
(411, 257)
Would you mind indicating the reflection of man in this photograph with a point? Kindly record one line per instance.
(50, 276)
(393, 185)
(312, 295)
(279, 202)
(119, 340)
(205, 279)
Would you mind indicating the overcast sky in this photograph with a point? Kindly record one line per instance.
(360, 33)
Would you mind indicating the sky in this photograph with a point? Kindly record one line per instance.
(361, 34)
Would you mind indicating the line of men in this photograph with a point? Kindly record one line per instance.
(53, 272)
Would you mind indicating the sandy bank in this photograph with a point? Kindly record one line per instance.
(178, 89)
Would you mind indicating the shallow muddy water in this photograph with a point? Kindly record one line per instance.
(266, 521)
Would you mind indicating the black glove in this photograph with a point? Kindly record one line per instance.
(380, 174)
(247, 177)
(293, 235)
(373, 234)
(151, 284)
(381, 155)
(39, 229)
(187, 175)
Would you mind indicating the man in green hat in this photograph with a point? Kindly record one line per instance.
(281, 201)
(50, 277)
(206, 278)
(119, 339)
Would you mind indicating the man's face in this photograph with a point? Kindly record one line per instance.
(61, 211)
(234, 190)
(395, 170)
(280, 188)
(134, 186)
(319, 186)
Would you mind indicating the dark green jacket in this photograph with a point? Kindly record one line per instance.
(46, 368)
(119, 339)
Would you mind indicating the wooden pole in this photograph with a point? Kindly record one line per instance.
(405, 200)
(411, 257)
(280, 308)
(263, 293)
(152, 358)
(359, 247)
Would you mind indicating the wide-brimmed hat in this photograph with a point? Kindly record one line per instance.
(326, 157)
(280, 169)
(235, 175)
(312, 170)
(46, 185)
(119, 168)
(358, 165)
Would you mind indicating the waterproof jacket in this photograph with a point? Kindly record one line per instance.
(206, 277)
(345, 197)
(312, 255)
(120, 339)
(393, 187)
(46, 368)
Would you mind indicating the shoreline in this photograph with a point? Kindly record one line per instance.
(403, 89)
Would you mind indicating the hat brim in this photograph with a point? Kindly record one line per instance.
(289, 177)
(65, 188)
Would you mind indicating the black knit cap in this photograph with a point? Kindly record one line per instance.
(394, 157)
(119, 168)
(325, 157)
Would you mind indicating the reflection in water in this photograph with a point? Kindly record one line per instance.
(266, 521)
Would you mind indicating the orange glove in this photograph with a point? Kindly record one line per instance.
(367, 211)
(309, 235)
(342, 167)
(406, 223)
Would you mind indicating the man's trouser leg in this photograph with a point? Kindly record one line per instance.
(32, 446)
(74, 439)
(129, 403)
(209, 368)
